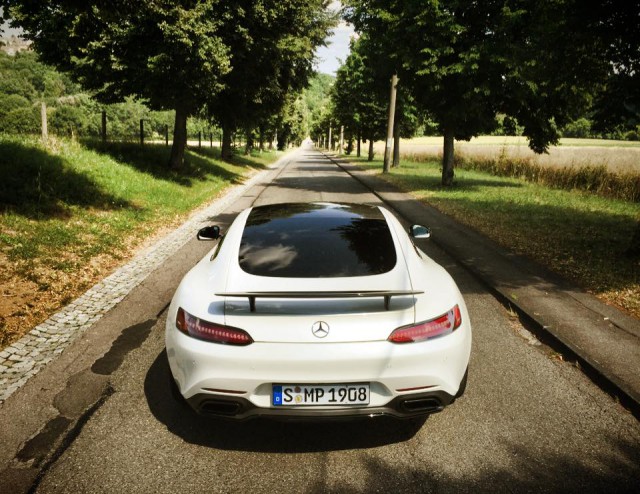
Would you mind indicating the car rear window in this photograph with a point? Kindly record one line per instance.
(316, 241)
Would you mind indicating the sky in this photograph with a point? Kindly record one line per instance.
(337, 49)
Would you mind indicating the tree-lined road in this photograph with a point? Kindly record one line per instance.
(527, 423)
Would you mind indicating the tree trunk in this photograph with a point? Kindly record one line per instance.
(370, 157)
(176, 160)
(281, 142)
(261, 139)
(447, 158)
(396, 147)
(350, 144)
(225, 152)
(359, 141)
(248, 147)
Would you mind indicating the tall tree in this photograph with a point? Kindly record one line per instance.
(360, 96)
(538, 61)
(272, 44)
(170, 54)
(317, 99)
(444, 53)
(382, 62)
(555, 65)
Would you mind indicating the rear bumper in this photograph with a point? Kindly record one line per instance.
(401, 407)
(405, 381)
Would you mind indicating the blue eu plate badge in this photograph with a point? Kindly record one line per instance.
(277, 395)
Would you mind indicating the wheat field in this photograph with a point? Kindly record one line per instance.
(617, 156)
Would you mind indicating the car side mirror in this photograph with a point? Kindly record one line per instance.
(419, 231)
(209, 233)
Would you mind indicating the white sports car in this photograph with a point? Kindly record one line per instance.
(318, 310)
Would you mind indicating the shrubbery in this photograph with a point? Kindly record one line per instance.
(25, 83)
(21, 120)
(580, 128)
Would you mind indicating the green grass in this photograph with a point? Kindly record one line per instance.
(71, 211)
(578, 234)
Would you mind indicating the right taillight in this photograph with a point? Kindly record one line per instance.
(445, 324)
(209, 331)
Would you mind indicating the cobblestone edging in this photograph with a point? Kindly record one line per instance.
(26, 357)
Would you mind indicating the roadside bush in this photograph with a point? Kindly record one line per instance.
(16, 86)
(69, 120)
(580, 128)
(25, 82)
(23, 120)
(157, 122)
(11, 102)
(633, 135)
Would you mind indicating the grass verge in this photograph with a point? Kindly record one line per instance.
(579, 235)
(70, 213)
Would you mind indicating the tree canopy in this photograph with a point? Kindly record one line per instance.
(538, 61)
(272, 49)
(359, 97)
(178, 55)
(360, 94)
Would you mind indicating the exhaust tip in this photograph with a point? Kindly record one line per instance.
(422, 405)
(213, 407)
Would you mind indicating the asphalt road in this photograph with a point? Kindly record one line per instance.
(529, 422)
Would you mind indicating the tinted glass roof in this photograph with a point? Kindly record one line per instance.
(318, 240)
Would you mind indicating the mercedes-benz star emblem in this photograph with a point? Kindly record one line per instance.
(320, 329)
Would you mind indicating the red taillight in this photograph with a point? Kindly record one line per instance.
(204, 330)
(439, 326)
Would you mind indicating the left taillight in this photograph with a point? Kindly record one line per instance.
(445, 324)
(209, 331)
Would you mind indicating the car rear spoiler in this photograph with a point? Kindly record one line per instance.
(387, 294)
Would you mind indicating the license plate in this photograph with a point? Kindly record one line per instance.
(320, 394)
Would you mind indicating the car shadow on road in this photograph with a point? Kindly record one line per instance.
(262, 435)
